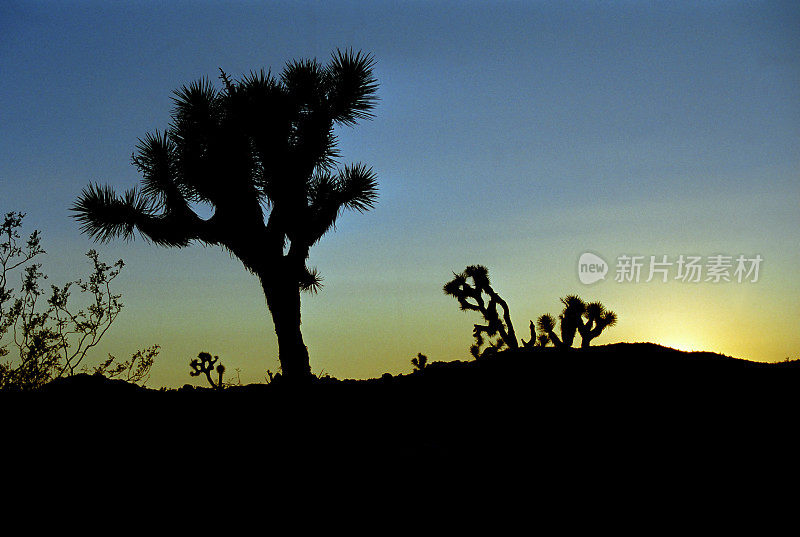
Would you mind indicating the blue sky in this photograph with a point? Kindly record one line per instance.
(512, 134)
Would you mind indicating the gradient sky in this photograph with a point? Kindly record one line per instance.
(517, 135)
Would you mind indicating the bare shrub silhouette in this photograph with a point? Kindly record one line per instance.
(479, 296)
(54, 337)
(136, 370)
(262, 153)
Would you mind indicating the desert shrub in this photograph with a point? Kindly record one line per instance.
(136, 370)
(48, 334)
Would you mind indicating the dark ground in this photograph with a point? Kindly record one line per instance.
(556, 416)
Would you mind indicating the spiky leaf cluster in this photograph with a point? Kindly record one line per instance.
(261, 151)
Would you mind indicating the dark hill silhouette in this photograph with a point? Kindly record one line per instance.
(618, 404)
(600, 374)
(517, 367)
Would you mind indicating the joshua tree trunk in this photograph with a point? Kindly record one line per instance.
(557, 343)
(586, 339)
(509, 336)
(283, 300)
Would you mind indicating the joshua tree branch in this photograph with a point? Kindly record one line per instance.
(532, 341)
(105, 216)
(508, 334)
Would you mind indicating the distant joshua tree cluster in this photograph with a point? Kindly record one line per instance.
(473, 291)
(588, 320)
(262, 152)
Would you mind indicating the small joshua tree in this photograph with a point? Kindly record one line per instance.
(474, 297)
(531, 342)
(571, 318)
(588, 320)
(542, 340)
(204, 364)
(420, 362)
(536, 341)
(547, 325)
(598, 318)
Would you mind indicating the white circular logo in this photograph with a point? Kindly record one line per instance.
(591, 268)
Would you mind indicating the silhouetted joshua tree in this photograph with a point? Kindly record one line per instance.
(589, 320)
(598, 318)
(204, 365)
(547, 324)
(262, 153)
(471, 297)
(420, 362)
(542, 340)
(536, 341)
